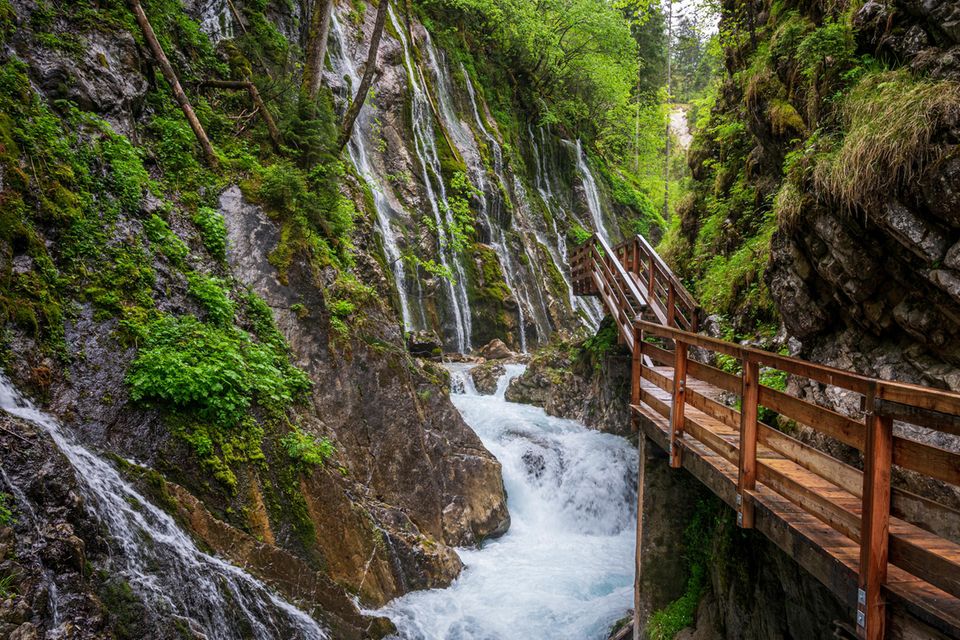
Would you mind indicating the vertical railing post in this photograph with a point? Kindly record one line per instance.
(636, 256)
(636, 375)
(747, 480)
(875, 521)
(651, 277)
(679, 401)
(671, 299)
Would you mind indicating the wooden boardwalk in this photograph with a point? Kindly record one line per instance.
(892, 555)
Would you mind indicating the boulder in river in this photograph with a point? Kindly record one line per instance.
(486, 376)
(496, 350)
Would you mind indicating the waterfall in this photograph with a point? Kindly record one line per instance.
(159, 560)
(426, 149)
(590, 310)
(493, 200)
(593, 195)
(359, 150)
(565, 567)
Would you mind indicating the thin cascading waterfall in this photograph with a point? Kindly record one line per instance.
(359, 148)
(426, 150)
(565, 567)
(541, 319)
(159, 560)
(589, 308)
(492, 200)
(591, 192)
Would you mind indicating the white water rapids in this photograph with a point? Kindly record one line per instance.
(177, 581)
(564, 570)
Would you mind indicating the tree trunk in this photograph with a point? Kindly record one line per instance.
(317, 47)
(367, 80)
(174, 83)
(246, 85)
(666, 151)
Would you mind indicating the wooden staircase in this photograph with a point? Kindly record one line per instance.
(891, 554)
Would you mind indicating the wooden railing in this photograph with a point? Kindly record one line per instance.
(901, 534)
(638, 266)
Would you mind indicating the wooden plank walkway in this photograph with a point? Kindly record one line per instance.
(872, 543)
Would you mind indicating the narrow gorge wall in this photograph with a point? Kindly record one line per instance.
(430, 152)
(824, 188)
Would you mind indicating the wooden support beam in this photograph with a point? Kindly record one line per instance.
(642, 446)
(747, 479)
(875, 523)
(678, 404)
(636, 376)
(651, 280)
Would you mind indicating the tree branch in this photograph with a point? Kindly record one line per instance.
(246, 85)
(351, 116)
(171, 77)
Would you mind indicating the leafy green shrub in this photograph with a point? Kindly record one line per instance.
(282, 186)
(211, 373)
(306, 449)
(825, 50)
(734, 284)
(601, 344)
(212, 296)
(174, 146)
(127, 177)
(461, 227)
(578, 235)
(213, 231)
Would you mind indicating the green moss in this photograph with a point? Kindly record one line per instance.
(6, 510)
(166, 241)
(126, 611)
(706, 544)
(597, 347)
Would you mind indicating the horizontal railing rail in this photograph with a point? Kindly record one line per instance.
(852, 491)
(861, 504)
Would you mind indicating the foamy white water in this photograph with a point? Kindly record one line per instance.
(564, 571)
(177, 581)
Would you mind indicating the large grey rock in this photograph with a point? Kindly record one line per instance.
(916, 234)
(105, 78)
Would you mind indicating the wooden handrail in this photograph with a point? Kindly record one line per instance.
(633, 280)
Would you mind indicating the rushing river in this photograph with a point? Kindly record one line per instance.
(564, 571)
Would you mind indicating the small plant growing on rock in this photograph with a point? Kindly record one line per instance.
(213, 231)
(6, 510)
(306, 449)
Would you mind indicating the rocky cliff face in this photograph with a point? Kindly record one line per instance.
(826, 184)
(822, 218)
(107, 231)
(582, 379)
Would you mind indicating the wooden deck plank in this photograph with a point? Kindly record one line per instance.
(813, 506)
